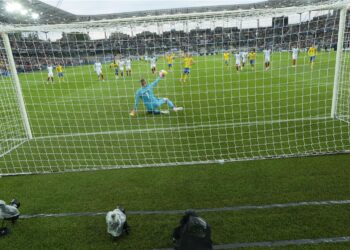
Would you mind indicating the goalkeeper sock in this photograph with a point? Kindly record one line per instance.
(170, 104)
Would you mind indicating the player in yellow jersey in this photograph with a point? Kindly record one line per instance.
(115, 66)
(226, 58)
(188, 62)
(170, 60)
(312, 52)
(252, 58)
(59, 70)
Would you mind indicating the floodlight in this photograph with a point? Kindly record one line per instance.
(23, 12)
(13, 7)
(35, 15)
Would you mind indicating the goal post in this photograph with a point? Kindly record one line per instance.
(339, 61)
(244, 80)
(14, 124)
(341, 91)
(17, 86)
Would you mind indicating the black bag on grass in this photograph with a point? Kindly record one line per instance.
(194, 233)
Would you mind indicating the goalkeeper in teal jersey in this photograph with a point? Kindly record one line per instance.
(151, 102)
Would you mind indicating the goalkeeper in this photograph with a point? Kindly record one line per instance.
(152, 103)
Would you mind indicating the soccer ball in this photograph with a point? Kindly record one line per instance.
(162, 73)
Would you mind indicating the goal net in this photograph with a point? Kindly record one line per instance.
(253, 84)
(12, 130)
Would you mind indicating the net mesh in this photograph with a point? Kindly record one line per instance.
(231, 112)
(12, 133)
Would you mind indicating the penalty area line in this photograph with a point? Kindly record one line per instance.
(200, 210)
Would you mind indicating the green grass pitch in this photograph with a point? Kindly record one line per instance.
(82, 124)
(242, 183)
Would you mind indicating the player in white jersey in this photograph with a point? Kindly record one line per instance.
(244, 57)
(49, 73)
(267, 55)
(98, 70)
(295, 52)
(128, 66)
(121, 67)
(153, 62)
(238, 61)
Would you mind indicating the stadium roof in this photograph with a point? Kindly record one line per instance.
(51, 15)
(48, 14)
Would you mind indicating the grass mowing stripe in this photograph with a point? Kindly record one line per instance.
(65, 100)
(176, 164)
(195, 126)
(259, 182)
(279, 243)
(150, 232)
(224, 209)
(241, 183)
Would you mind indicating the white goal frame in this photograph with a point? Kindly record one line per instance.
(17, 84)
(101, 25)
(337, 74)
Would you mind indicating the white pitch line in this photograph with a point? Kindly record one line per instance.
(343, 119)
(89, 168)
(170, 128)
(225, 209)
(13, 140)
(200, 210)
(11, 149)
